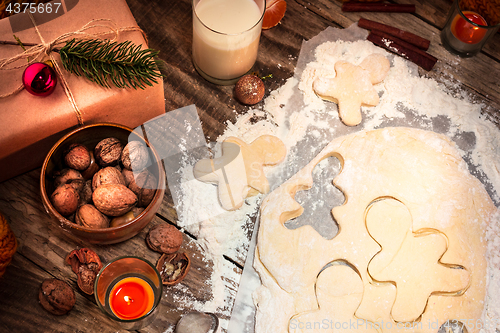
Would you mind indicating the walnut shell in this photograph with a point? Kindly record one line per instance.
(108, 152)
(86, 193)
(164, 238)
(92, 169)
(114, 199)
(89, 216)
(65, 199)
(198, 322)
(86, 264)
(126, 218)
(128, 176)
(69, 176)
(249, 89)
(77, 157)
(107, 175)
(173, 268)
(56, 296)
(135, 156)
(144, 186)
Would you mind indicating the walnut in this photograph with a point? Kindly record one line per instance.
(249, 89)
(114, 199)
(135, 156)
(56, 296)
(164, 238)
(65, 199)
(89, 216)
(108, 175)
(173, 267)
(128, 176)
(69, 176)
(77, 157)
(86, 193)
(108, 152)
(144, 186)
(86, 264)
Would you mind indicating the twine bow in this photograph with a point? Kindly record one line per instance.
(44, 49)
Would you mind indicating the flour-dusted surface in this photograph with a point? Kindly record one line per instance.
(393, 175)
(306, 124)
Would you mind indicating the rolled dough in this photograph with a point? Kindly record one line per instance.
(421, 170)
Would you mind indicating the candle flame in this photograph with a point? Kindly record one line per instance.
(128, 299)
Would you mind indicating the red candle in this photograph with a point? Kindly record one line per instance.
(131, 298)
(467, 32)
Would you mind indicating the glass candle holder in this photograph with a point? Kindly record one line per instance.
(469, 25)
(128, 290)
(226, 36)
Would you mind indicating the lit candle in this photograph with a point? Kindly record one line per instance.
(467, 32)
(131, 298)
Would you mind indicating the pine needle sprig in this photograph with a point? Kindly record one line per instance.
(123, 64)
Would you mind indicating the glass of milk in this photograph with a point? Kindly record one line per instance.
(226, 38)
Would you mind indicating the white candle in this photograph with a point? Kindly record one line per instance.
(226, 36)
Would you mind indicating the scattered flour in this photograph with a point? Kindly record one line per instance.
(306, 123)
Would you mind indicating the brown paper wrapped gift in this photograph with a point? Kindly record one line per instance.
(30, 125)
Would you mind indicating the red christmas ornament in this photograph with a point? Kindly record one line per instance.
(39, 79)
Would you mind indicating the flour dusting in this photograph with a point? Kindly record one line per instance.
(306, 123)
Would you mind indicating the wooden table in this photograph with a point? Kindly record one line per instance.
(168, 25)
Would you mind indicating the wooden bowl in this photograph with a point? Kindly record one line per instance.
(89, 136)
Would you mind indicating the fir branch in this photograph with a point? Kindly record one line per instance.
(123, 65)
(19, 42)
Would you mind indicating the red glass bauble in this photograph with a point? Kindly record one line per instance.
(39, 79)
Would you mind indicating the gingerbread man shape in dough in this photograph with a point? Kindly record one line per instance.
(411, 260)
(339, 290)
(239, 171)
(352, 86)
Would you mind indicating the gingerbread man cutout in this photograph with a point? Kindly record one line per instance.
(410, 260)
(239, 171)
(339, 290)
(352, 86)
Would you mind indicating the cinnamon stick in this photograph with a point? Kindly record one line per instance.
(377, 7)
(418, 41)
(400, 47)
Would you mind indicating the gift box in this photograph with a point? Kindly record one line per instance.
(30, 125)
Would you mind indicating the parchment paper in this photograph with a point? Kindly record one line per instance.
(242, 318)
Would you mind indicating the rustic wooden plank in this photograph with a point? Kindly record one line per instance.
(473, 74)
(436, 12)
(279, 49)
(169, 27)
(20, 310)
(42, 245)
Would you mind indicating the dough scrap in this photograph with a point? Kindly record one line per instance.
(410, 259)
(239, 171)
(352, 86)
(422, 170)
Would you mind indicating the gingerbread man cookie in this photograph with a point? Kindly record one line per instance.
(239, 171)
(352, 86)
